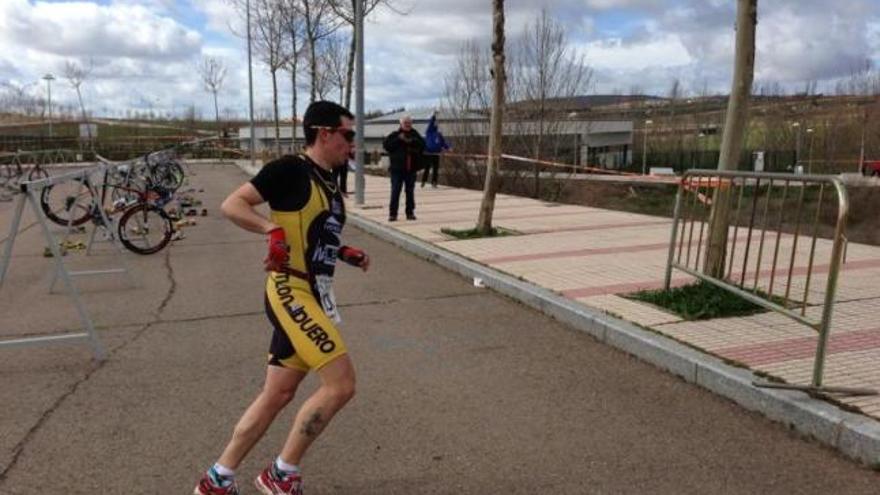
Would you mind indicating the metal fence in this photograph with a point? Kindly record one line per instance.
(774, 253)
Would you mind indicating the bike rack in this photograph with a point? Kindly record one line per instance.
(29, 191)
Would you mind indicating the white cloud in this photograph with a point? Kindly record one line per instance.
(612, 54)
(815, 45)
(82, 29)
(146, 50)
(220, 14)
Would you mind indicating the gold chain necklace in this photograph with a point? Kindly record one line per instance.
(317, 173)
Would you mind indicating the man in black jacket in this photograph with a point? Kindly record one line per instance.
(404, 147)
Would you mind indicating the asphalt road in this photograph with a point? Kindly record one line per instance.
(460, 391)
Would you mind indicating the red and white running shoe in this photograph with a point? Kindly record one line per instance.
(208, 486)
(274, 482)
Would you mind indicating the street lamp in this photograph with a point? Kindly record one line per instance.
(645, 147)
(359, 181)
(251, 86)
(49, 78)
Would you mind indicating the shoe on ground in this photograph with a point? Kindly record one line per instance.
(392, 218)
(272, 482)
(411, 217)
(207, 487)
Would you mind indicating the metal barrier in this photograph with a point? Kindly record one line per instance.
(86, 180)
(768, 215)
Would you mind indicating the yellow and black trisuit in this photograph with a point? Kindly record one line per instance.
(305, 201)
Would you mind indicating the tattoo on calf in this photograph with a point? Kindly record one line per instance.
(313, 425)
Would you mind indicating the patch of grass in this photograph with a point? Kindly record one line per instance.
(475, 234)
(699, 301)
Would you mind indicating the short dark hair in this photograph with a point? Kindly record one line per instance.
(322, 114)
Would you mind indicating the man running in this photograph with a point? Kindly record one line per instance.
(303, 229)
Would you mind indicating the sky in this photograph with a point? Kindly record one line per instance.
(145, 52)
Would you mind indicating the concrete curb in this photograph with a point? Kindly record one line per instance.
(852, 434)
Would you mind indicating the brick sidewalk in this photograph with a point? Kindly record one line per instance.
(592, 255)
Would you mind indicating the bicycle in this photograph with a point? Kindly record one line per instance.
(12, 169)
(144, 227)
(68, 204)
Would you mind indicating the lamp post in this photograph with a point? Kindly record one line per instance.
(359, 181)
(645, 147)
(251, 85)
(49, 78)
(797, 144)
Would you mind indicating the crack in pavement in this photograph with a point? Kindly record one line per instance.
(19, 448)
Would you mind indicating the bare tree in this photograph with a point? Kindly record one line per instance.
(734, 131)
(544, 70)
(468, 85)
(487, 207)
(295, 26)
(213, 72)
(320, 22)
(468, 92)
(270, 41)
(76, 74)
(17, 98)
(332, 67)
(345, 10)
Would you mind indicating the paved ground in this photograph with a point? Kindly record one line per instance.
(460, 390)
(592, 256)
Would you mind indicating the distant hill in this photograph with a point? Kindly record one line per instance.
(588, 102)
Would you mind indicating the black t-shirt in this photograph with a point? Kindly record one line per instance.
(285, 183)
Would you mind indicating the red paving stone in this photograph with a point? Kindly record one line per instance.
(501, 218)
(621, 288)
(576, 252)
(800, 348)
(619, 225)
(658, 284)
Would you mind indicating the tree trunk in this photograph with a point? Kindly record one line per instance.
(275, 109)
(734, 129)
(216, 109)
(313, 71)
(293, 92)
(85, 118)
(484, 223)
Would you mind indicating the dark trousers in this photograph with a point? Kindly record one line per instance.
(399, 179)
(432, 166)
(340, 175)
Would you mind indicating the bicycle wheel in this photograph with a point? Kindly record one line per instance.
(145, 229)
(67, 203)
(168, 175)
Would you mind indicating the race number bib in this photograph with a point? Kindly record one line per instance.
(324, 284)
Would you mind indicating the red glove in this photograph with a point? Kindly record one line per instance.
(352, 256)
(279, 251)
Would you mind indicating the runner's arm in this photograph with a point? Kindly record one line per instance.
(239, 208)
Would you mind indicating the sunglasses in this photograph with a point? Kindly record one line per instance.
(347, 134)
